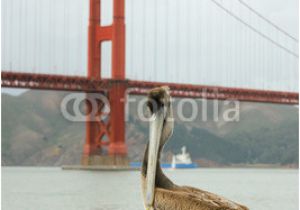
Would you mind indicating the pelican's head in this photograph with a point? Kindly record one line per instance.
(160, 108)
(161, 128)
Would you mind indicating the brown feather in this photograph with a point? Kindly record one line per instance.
(188, 198)
(169, 196)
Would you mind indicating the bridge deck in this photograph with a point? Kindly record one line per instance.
(83, 84)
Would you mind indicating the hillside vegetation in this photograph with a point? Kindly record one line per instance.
(34, 132)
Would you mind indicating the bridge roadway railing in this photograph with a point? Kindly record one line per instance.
(83, 84)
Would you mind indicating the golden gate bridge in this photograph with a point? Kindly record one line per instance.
(200, 50)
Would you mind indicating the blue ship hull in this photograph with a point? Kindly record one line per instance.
(166, 165)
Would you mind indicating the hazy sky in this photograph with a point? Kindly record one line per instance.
(167, 40)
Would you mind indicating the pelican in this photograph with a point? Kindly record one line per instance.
(159, 192)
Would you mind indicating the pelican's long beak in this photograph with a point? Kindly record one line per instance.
(156, 126)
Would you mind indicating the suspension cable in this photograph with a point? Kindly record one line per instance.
(255, 30)
(267, 20)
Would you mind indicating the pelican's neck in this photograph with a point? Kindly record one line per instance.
(161, 180)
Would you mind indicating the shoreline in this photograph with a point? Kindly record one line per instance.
(232, 166)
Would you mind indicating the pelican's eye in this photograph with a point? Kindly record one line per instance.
(150, 106)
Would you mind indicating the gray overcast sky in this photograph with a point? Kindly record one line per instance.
(189, 42)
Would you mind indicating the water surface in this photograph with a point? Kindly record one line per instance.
(53, 188)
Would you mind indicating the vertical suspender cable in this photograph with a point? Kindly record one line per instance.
(10, 35)
(258, 60)
(4, 33)
(199, 47)
(250, 55)
(224, 47)
(132, 71)
(226, 51)
(216, 50)
(236, 54)
(68, 40)
(177, 41)
(20, 26)
(34, 67)
(166, 70)
(50, 33)
(24, 38)
(263, 50)
(21, 31)
(207, 46)
(242, 69)
(213, 47)
(229, 50)
(289, 67)
(220, 66)
(25, 32)
(280, 67)
(39, 36)
(79, 65)
(274, 61)
(65, 56)
(188, 12)
(54, 29)
(155, 40)
(144, 39)
(209, 54)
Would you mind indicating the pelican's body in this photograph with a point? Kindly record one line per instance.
(159, 192)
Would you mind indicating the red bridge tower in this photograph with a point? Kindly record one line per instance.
(108, 133)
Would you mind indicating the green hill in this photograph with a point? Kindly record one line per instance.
(34, 132)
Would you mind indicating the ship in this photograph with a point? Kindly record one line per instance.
(183, 160)
(179, 161)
